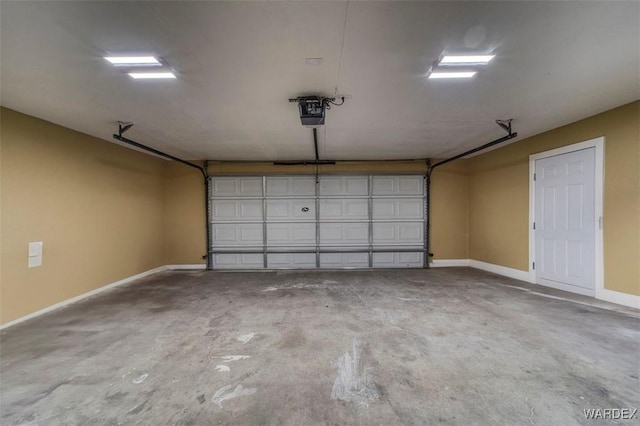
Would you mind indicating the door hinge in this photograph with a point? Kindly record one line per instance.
(534, 225)
(534, 176)
(533, 265)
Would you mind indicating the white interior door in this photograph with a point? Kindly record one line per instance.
(565, 221)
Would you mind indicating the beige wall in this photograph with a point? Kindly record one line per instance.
(499, 196)
(97, 207)
(342, 167)
(184, 224)
(450, 211)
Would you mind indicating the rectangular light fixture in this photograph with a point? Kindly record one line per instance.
(133, 60)
(460, 74)
(151, 75)
(466, 60)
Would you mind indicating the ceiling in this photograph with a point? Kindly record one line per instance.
(239, 62)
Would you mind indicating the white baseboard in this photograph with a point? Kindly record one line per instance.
(619, 298)
(446, 263)
(82, 296)
(186, 267)
(502, 270)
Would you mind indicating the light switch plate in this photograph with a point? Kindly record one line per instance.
(35, 254)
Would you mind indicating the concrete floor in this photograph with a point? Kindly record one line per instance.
(443, 346)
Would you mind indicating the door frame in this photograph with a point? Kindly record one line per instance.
(598, 144)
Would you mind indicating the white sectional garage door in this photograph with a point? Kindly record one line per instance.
(351, 221)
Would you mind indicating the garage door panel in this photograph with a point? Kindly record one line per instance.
(397, 260)
(413, 185)
(398, 185)
(291, 260)
(291, 210)
(344, 260)
(392, 218)
(283, 186)
(344, 185)
(236, 210)
(398, 233)
(285, 234)
(346, 234)
(398, 208)
(344, 209)
(236, 187)
(383, 209)
(238, 261)
(234, 235)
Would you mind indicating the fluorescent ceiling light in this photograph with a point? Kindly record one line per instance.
(133, 60)
(151, 75)
(463, 74)
(473, 59)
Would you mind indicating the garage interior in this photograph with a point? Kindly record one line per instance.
(320, 212)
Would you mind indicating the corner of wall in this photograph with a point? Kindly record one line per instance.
(184, 221)
(450, 212)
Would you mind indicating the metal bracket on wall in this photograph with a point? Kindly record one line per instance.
(505, 124)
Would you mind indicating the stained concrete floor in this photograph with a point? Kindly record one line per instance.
(443, 346)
